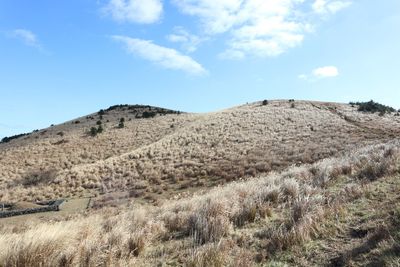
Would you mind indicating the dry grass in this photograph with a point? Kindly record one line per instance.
(209, 229)
(201, 150)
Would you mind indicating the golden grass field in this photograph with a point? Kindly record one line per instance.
(284, 184)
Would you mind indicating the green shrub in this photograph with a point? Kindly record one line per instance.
(265, 102)
(8, 139)
(372, 107)
(149, 114)
(93, 131)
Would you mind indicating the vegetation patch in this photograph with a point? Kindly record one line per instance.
(9, 138)
(372, 107)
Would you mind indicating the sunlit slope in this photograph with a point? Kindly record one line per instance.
(70, 144)
(175, 152)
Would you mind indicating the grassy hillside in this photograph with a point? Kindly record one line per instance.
(156, 157)
(341, 211)
(272, 183)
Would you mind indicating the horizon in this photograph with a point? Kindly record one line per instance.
(60, 61)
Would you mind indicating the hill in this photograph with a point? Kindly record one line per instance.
(341, 211)
(156, 156)
(271, 183)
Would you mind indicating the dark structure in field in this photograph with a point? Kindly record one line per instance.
(6, 209)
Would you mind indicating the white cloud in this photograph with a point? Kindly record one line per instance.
(26, 36)
(326, 72)
(190, 42)
(137, 11)
(320, 73)
(257, 28)
(165, 57)
(329, 7)
(216, 16)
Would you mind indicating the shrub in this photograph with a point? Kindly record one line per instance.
(373, 107)
(93, 131)
(98, 122)
(8, 139)
(101, 112)
(39, 177)
(149, 114)
(265, 102)
(100, 129)
(121, 123)
(373, 170)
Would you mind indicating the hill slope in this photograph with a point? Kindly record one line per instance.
(159, 156)
(340, 211)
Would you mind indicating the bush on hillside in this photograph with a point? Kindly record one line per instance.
(121, 123)
(9, 138)
(95, 131)
(39, 177)
(372, 107)
(149, 114)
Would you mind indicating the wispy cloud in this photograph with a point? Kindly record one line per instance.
(256, 27)
(320, 73)
(26, 36)
(165, 57)
(136, 11)
(189, 42)
(329, 7)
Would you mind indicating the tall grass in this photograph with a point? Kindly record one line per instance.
(202, 228)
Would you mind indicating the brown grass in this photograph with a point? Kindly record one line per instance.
(206, 229)
(201, 150)
(238, 221)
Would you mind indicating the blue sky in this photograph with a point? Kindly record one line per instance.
(63, 59)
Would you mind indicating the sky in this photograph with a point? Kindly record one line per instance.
(63, 59)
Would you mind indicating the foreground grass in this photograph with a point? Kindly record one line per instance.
(273, 220)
